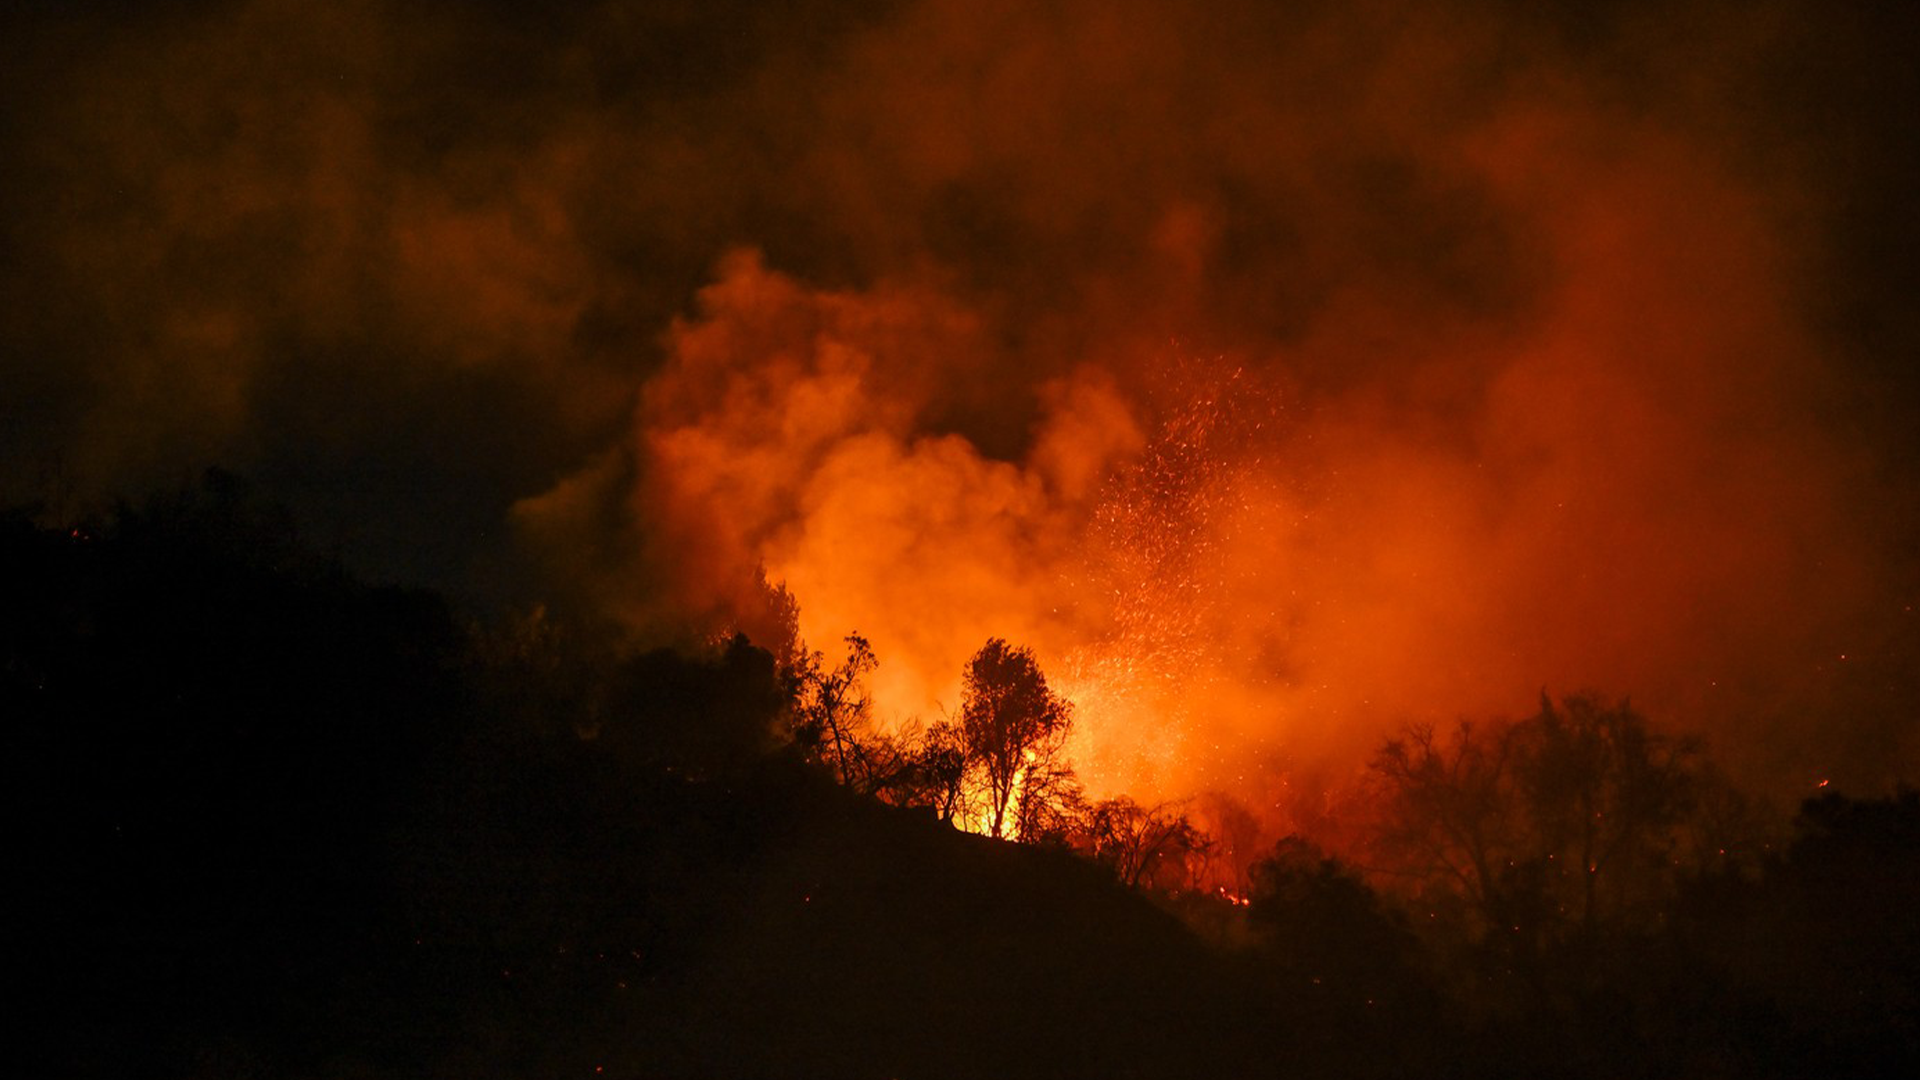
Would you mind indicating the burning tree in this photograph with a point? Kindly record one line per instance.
(1012, 724)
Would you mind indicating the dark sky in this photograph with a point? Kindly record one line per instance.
(416, 269)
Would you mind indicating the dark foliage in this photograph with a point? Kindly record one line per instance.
(1142, 844)
(209, 738)
(271, 821)
(1562, 825)
(274, 822)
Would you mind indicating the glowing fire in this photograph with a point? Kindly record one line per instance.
(1509, 377)
(1283, 553)
(977, 805)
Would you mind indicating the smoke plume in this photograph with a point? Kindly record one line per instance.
(1279, 373)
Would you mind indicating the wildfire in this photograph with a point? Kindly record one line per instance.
(1159, 561)
(1213, 579)
(977, 804)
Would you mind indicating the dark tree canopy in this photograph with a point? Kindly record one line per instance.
(833, 712)
(1143, 844)
(1564, 820)
(276, 822)
(940, 767)
(1316, 918)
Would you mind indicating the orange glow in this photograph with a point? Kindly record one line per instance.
(976, 813)
(1268, 426)
(1225, 575)
(1278, 373)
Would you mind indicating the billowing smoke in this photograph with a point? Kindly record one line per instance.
(1280, 373)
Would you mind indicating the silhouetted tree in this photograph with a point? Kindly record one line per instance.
(1319, 920)
(1603, 796)
(1446, 813)
(1010, 720)
(933, 771)
(1050, 807)
(1236, 835)
(771, 618)
(833, 715)
(702, 714)
(1568, 817)
(1815, 960)
(1726, 831)
(1141, 843)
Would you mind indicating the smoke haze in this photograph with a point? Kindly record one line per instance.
(1279, 373)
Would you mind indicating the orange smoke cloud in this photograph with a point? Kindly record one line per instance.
(1278, 373)
(1422, 502)
(1231, 574)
